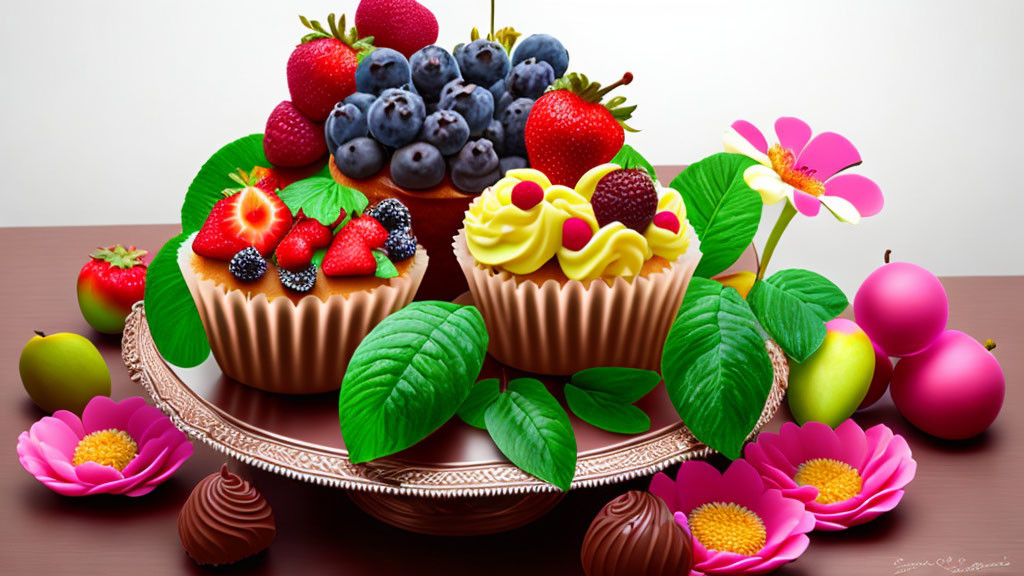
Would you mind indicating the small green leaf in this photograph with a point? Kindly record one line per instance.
(716, 369)
(215, 176)
(409, 376)
(628, 157)
(170, 311)
(323, 199)
(793, 306)
(606, 413)
(318, 257)
(532, 430)
(620, 384)
(385, 268)
(723, 210)
(483, 394)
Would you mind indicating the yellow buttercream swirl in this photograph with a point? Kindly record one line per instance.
(613, 251)
(500, 233)
(665, 243)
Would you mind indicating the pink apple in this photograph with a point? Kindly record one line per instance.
(952, 390)
(902, 307)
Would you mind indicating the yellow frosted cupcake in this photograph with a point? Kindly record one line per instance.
(572, 278)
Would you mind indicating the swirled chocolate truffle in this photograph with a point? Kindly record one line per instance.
(224, 520)
(636, 534)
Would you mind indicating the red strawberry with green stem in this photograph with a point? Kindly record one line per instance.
(322, 69)
(109, 284)
(351, 252)
(569, 130)
(295, 252)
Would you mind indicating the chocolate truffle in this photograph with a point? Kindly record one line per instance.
(225, 520)
(636, 534)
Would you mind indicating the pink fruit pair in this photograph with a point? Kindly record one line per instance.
(947, 384)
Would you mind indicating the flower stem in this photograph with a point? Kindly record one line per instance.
(773, 240)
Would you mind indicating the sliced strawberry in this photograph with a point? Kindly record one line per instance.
(259, 218)
(366, 230)
(211, 241)
(348, 258)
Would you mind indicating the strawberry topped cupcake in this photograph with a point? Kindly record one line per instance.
(285, 298)
(572, 278)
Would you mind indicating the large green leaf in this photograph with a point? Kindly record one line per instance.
(532, 430)
(213, 178)
(715, 366)
(793, 306)
(170, 311)
(604, 397)
(323, 199)
(409, 376)
(723, 210)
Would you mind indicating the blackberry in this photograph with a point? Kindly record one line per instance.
(248, 265)
(392, 214)
(401, 245)
(299, 281)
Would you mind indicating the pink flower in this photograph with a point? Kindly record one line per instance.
(845, 476)
(122, 447)
(803, 169)
(738, 526)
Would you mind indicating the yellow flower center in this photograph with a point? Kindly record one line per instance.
(800, 178)
(836, 481)
(728, 527)
(107, 447)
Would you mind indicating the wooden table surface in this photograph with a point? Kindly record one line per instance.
(966, 503)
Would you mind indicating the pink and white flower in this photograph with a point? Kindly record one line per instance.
(805, 170)
(122, 447)
(737, 525)
(845, 476)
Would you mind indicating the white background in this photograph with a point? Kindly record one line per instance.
(108, 108)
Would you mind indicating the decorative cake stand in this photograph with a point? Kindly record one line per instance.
(455, 482)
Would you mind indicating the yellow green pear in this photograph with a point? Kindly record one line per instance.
(63, 372)
(742, 281)
(830, 385)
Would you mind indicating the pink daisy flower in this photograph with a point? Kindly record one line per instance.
(845, 476)
(803, 170)
(738, 526)
(122, 447)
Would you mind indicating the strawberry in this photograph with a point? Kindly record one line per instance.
(247, 217)
(403, 25)
(569, 131)
(351, 252)
(295, 252)
(290, 139)
(109, 284)
(322, 69)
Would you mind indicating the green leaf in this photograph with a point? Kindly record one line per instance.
(409, 376)
(170, 311)
(715, 366)
(793, 306)
(628, 157)
(603, 397)
(385, 268)
(483, 394)
(215, 176)
(602, 411)
(723, 210)
(323, 199)
(532, 430)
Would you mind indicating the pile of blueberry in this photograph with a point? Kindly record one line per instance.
(464, 112)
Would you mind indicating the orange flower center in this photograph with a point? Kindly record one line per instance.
(836, 481)
(728, 527)
(800, 178)
(107, 447)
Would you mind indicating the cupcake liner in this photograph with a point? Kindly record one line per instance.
(292, 348)
(561, 328)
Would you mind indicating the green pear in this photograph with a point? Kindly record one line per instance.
(63, 372)
(830, 385)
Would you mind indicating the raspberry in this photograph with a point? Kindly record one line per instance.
(527, 194)
(576, 233)
(248, 265)
(626, 196)
(668, 221)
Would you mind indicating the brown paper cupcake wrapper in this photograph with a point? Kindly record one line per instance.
(562, 328)
(293, 348)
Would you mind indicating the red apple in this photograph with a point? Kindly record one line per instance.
(109, 284)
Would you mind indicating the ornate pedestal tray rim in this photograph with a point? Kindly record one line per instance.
(330, 466)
